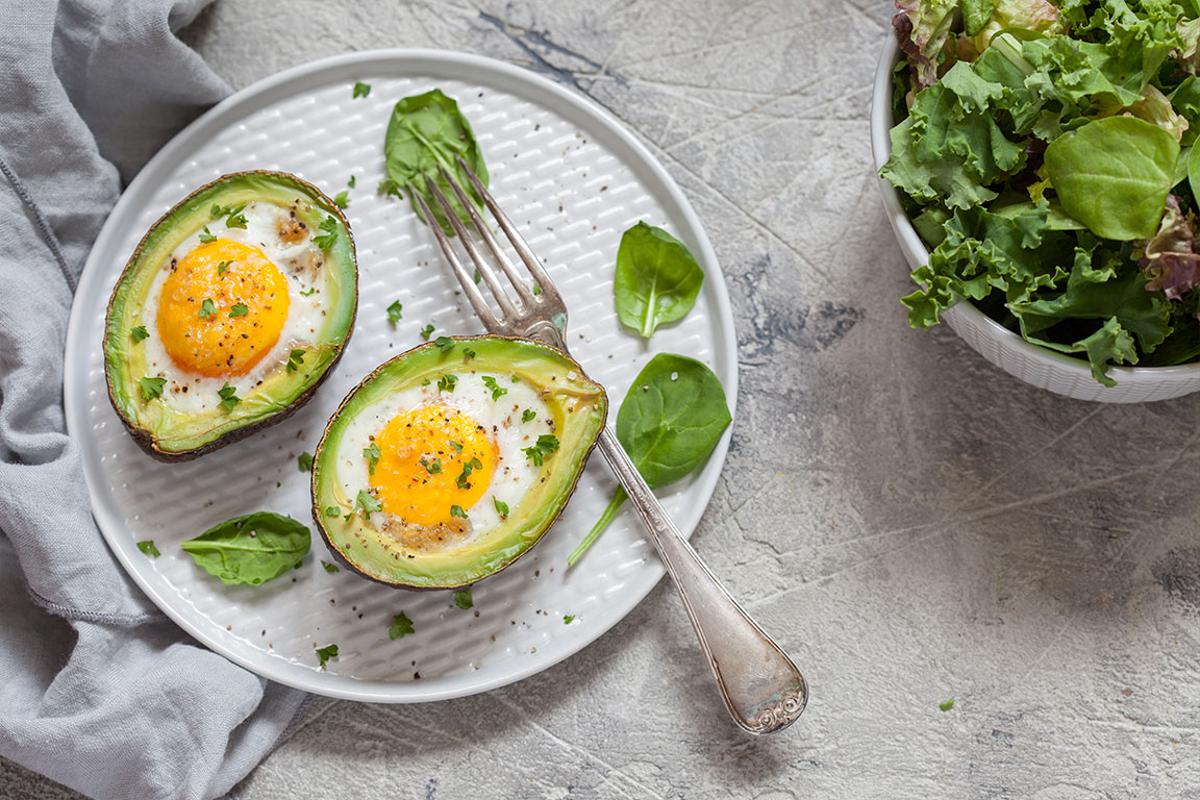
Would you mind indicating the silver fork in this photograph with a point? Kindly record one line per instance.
(761, 686)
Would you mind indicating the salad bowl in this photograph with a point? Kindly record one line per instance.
(1038, 366)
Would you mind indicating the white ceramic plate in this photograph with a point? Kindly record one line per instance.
(573, 179)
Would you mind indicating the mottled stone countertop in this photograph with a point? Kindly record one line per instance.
(912, 523)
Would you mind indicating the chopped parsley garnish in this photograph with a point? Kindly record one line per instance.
(147, 547)
(223, 267)
(352, 182)
(401, 626)
(304, 461)
(236, 220)
(501, 507)
(327, 239)
(371, 454)
(426, 332)
(537, 288)
(342, 200)
(207, 308)
(457, 511)
(444, 343)
(151, 387)
(456, 445)
(239, 310)
(206, 237)
(332, 511)
(394, 312)
(477, 277)
(295, 360)
(329, 567)
(498, 391)
(389, 188)
(361, 90)
(463, 599)
(366, 503)
(446, 383)
(325, 653)
(139, 334)
(528, 415)
(946, 705)
(468, 354)
(432, 467)
(229, 398)
(463, 479)
(568, 619)
(546, 444)
(309, 292)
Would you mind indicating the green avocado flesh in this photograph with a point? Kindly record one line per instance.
(577, 406)
(170, 432)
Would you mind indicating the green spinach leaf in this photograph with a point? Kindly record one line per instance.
(1113, 175)
(427, 131)
(656, 281)
(251, 549)
(671, 419)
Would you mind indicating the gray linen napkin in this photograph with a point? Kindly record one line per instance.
(97, 689)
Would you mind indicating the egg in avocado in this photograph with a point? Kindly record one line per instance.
(230, 312)
(451, 460)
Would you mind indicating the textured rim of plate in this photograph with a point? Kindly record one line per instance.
(446, 63)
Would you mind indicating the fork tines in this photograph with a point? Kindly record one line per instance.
(534, 307)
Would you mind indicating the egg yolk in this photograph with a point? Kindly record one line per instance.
(431, 459)
(222, 308)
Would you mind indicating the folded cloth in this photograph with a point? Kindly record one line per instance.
(97, 689)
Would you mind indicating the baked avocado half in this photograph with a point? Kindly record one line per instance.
(230, 312)
(453, 459)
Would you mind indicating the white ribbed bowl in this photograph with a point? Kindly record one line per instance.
(1035, 365)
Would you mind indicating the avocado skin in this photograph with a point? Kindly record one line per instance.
(317, 511)
(145, 439)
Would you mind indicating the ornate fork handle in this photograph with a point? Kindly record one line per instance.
(760, 684)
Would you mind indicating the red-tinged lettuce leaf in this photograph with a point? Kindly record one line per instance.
(1170, 262)
(1155, 108)
(1188, 52)
(923, 28)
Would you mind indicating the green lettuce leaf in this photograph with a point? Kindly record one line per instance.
(1113, 175)
(1015, 253)
(1114, 297)
(1030, 16)
(950, 147)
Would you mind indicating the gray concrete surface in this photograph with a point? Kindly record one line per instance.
(912, 523)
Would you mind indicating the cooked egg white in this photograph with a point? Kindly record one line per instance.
(265, 291)
(428, 454)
